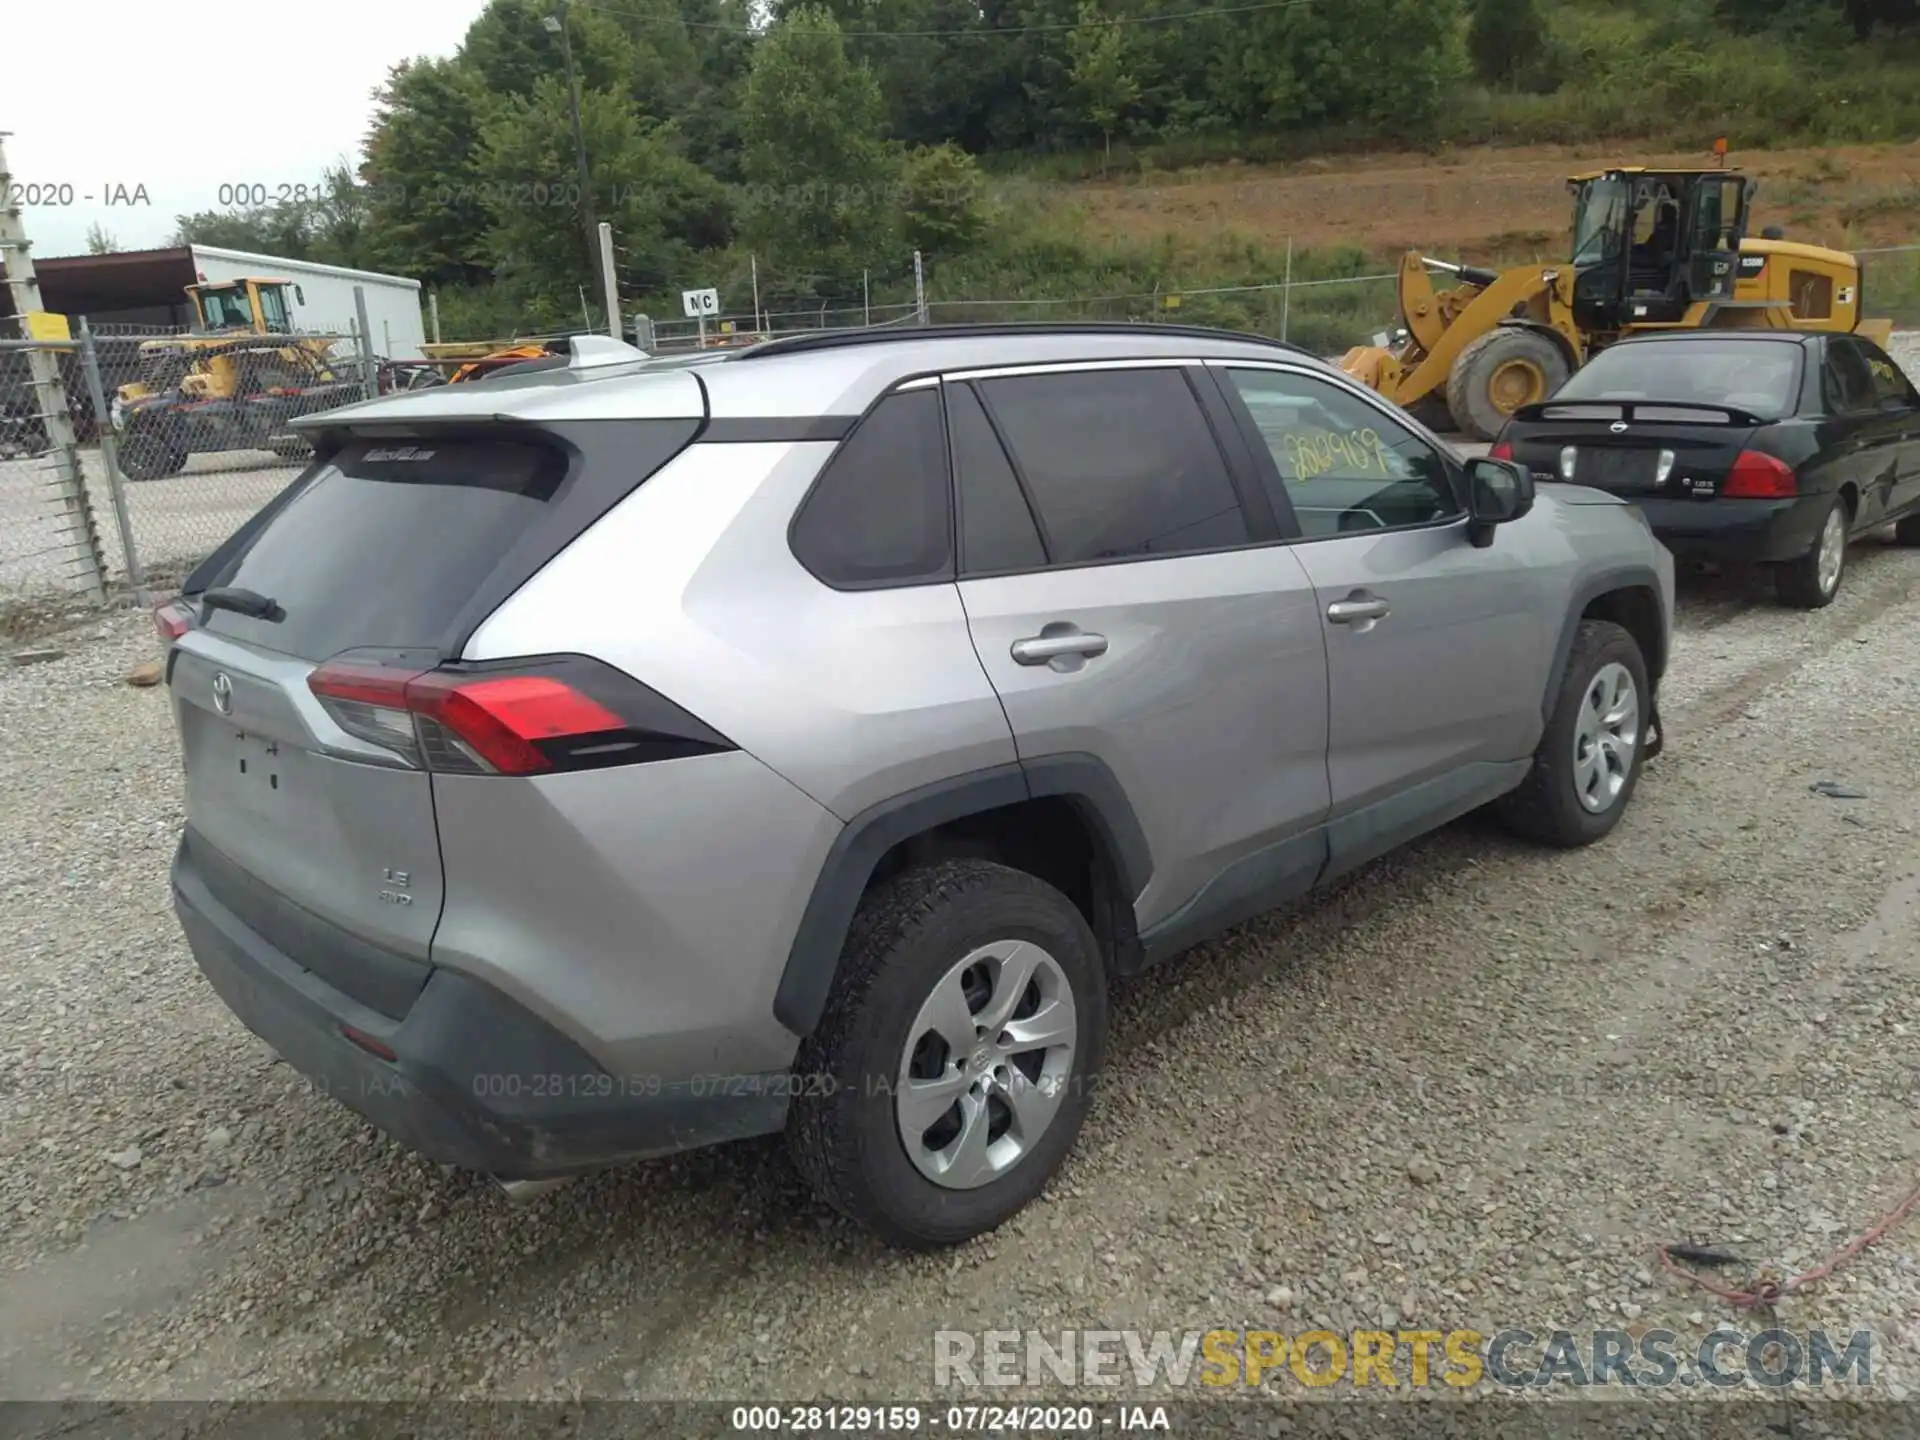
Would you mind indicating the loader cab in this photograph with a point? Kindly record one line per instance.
(1648, 245)
(225, 306)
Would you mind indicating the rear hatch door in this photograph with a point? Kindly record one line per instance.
(320, 840)
(1635, 450)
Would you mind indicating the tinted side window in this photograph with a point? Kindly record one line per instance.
(997, 530)
(879, 513)
(1849, 384)
(1118, 463)
(1888, 381)
(1344, 466)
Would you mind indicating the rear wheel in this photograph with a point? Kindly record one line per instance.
(1907, 531)
(951, 1073)
(1499, 372)
(1812, 580)
(1589, 758)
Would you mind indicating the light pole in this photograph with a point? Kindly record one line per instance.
(556, 24)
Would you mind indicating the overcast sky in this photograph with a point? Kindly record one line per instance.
(107, 96)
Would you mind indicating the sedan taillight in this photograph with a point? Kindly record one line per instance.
(1755, 476)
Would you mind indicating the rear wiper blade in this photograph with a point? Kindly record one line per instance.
(243, 602)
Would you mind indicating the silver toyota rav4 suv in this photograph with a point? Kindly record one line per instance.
(625, 755)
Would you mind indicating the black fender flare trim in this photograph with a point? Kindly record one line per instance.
(1083, 780)
(1625, 577)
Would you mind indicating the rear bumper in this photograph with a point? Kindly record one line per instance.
(478, 1080)
(1736, 531)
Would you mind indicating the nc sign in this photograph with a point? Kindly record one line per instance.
(700, 302)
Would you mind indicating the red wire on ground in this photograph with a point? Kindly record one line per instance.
(1766, 1292)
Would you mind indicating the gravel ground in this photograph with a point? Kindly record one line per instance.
(1475, 1085)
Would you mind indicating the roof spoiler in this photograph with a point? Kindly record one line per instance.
(1629, 410)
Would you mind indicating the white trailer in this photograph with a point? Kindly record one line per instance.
(321, 296)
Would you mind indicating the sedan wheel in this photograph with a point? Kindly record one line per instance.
(1814, 579)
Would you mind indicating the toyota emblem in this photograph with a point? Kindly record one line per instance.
(1619, 427)
(223, 692)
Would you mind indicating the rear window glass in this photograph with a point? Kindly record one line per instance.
(1759, 376)
(387, 541)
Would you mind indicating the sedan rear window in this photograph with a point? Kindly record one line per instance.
(386, 541)
(1758, 376)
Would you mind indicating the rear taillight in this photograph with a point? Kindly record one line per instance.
(1501, 451)
(173, 620)
(1759, 477)
(568, 713)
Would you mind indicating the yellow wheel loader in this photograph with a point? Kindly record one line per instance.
(1652, 250)
(224, 311)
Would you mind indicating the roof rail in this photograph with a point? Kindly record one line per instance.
(836, 339)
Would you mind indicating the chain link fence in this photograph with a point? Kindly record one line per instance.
(127, 457)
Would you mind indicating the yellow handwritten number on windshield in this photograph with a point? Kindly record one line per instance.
(1325, 451)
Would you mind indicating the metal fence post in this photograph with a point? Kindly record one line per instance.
(609, 280)
(1286, 293)
(50, 394)
(110, 461)
(369, 368)
(919, 289)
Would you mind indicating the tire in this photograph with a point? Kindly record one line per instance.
(1907, 531)
(150, 453)
(1548, 806)
(1431, 411)
(908, 939)
(1806, 583)
(1478, 386)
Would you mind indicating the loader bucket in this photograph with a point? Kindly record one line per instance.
(1364, 362)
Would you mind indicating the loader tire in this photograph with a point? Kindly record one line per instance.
(1497, 373)
(1431, 411)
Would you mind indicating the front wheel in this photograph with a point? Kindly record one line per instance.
(1590, 755)
(150, 452)
(1812, 580)
(949, 1077)
(1499, 372)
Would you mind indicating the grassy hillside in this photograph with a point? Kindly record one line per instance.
(1118, 246)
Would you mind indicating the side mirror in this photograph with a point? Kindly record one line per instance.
(1497, 491)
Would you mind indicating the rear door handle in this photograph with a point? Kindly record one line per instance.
(1358, 609)
(1041, 649)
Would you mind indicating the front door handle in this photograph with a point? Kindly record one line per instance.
(1043, 649)
(1358, 609)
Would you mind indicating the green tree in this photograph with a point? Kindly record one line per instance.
(943, 200)
(426, 212)
(100, 240)
(1506, 39)
(820, 179)
(661, 206)
(1100, 78)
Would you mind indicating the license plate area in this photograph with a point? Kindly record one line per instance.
(1619, 470)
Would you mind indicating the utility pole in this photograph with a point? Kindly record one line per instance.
(49, 392)
(556, 23)
(919, 291)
